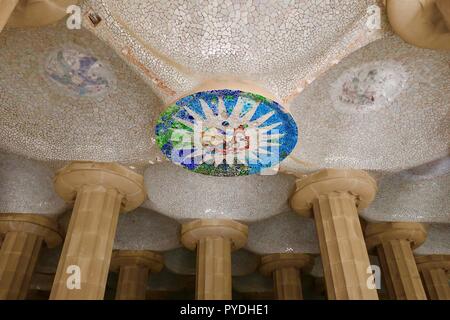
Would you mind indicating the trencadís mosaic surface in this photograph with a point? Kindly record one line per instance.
(78, 73)
(226, 133)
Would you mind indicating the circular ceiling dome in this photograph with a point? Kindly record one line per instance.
(184, 195)
(226, 133)
(384, 107)
(65, 95)
(277, 43)
(26, 186)
(286, 232)
(419, 194)
(438, 240)
(143, 229)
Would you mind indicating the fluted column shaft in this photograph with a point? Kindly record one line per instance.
(88, 243)
(434, 271)
(393, 242)
(285, 270)
(99, 192)
(287, 284)
(18, 257)
(134, 267)
(213, 269)
(214, 240)
(24, 235)
(333, 197)
(132, 284)
(402, 277)
(436, 284)
(342, 247)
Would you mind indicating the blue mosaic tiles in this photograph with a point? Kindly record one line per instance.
(226, 133)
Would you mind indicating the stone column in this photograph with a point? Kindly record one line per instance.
(214, 240)
(100, 191)
(6, 9)
(393, 242)
(24, 234)
(334, 197)
(134, 267)
(285, 269)
(434, 270)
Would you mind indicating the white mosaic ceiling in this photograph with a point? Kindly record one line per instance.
(26, 187)
(420, 194)
(438, 240)
(287, 232)
(184, 195)
(281, 44)
(143, 229)
(65, 95)
(385, 107)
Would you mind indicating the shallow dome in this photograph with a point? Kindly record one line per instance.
(384, 107)
(143, 229)
(183, 195)
(419, 194)
(438, 240)
(286, 232)
(26, 186)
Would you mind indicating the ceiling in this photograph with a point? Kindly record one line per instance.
(361, 98)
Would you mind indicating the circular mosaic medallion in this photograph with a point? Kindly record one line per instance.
(78, 73)
(226, 133)
(369, 86)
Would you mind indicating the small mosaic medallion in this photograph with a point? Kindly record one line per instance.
(78, 73)
(368, 87)
(226, 133)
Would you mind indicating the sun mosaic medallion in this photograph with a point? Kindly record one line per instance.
(226, 133)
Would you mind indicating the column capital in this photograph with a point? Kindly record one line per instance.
(356, 183)
(151, 260)
(376, 233)
(34, 224)
(193, 231)
(75, 175)
(271, 262)
(433, 261)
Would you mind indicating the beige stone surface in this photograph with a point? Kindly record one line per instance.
(100, 191)
(134, 267)
(285, 269)
(23, 238)
(394, 242)
(214, 240)
(434, 270)
(334, 196)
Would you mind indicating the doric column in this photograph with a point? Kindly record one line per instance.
(214, 240)
(333, 197)
(134, 267)
(393, 242)
(285, 269)
(23, 237)
(434, 270)
(100, 191)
